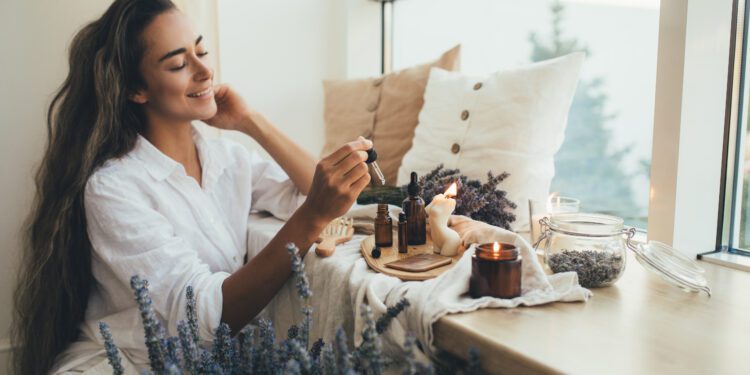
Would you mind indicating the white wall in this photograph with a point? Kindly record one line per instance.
(34, 36)
(275, 52)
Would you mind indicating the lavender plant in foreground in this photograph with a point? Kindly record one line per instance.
(260, 354)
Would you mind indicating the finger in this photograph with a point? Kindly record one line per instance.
(360, 184)
(355, 174)
(361, 144)
(350, 162)
(221, 91)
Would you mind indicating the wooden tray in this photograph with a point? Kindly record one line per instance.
(390, 254)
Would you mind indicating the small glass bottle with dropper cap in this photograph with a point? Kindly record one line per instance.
(416, 217)
(383, 227)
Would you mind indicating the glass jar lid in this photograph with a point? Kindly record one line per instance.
(672, 266)
(586, 224)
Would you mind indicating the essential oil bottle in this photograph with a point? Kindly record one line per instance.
(403, 234)
(413, 207)
(383, 227)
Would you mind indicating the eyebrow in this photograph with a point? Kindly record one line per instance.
(179, 50)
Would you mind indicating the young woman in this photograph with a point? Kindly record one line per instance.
(128, 187)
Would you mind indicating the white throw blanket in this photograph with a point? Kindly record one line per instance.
(343, 282)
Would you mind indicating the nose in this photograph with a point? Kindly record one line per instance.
(203, 71)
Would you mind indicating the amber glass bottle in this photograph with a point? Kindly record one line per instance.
(413, 207)
(383, 227)
(403, 234)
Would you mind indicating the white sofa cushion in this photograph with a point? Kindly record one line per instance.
(510, 121)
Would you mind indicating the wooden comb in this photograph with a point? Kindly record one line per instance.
(336, 232)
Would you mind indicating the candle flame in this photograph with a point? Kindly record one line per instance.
(496, 247)
(452, 190)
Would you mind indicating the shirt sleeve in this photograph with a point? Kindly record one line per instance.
(132, 238)
(273, 191)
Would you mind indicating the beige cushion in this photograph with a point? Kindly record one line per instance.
(384, 109)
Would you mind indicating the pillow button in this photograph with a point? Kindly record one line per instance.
(372, 107)
(455, 148)
(477, 86)
(464, 115)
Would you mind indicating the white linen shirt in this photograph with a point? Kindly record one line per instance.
(147, 217)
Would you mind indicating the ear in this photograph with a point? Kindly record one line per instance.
(138, 97)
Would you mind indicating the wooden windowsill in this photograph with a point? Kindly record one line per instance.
(641, 325)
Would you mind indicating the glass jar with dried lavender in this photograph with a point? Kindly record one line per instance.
(592, 245)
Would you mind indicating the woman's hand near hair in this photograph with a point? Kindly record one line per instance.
(233, 114)
(231, 110)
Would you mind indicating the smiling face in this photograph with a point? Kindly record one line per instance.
(177, 75)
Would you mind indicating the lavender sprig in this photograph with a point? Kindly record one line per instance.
(173, 348)
(223, 348)
(298, 267)
(192, 313)
(248, 359)
(113, 356)
(268, 354)
(316, 348)
(292, 332)
(300, 355)
(208, 365)
(343, 358)
(153, 330)
(328, 360)
(392, 312)
(306, 326)
(189, 349)
(368, 354)
(292, 368)
(411, 361)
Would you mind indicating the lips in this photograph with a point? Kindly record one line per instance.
(202, 93)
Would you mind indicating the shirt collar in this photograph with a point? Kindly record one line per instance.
(161, 166)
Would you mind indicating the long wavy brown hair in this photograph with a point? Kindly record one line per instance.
(89, 121)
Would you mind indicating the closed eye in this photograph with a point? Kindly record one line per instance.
(177, 68)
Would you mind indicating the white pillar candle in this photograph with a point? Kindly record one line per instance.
(445, 241)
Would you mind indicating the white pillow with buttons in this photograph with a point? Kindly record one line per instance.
(510, 121)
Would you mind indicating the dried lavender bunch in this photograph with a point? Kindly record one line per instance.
(477, 200)
(246, 355)
(594, 268)
(112, 354)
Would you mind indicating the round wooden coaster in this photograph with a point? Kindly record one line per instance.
(390, 254)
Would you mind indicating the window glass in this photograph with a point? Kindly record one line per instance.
(605, 159)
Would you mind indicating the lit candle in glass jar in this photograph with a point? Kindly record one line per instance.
(495, 271)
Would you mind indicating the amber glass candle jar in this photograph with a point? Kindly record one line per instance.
(495, 271)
